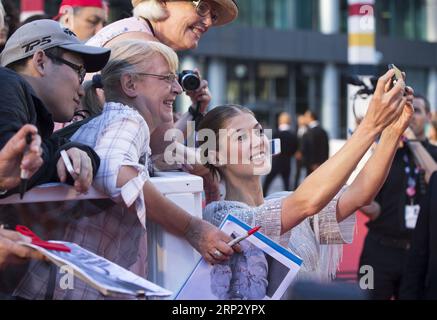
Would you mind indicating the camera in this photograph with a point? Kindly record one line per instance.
(189, 80)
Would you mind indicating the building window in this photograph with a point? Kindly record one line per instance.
(279, 14)
(404, 19)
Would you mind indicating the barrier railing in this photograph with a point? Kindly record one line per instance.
(171, 259)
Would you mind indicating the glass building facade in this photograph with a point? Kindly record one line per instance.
(395, 18)
(280, 14)
(404, 19)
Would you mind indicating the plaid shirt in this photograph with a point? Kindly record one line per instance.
(120, 136)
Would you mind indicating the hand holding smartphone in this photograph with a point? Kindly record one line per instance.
(275, 146)
(397, 76)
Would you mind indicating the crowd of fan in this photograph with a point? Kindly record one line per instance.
(111, 88)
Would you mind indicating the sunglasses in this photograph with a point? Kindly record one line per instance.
(80, 69)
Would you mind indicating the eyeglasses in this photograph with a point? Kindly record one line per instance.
(170, 78)
(81, 71)
(203, 9)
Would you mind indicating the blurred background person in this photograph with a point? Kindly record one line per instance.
(420, 274)
(315, 143)
(84, 17)
(420, 278)
(281, 163)
(301, 130)
(11, 21)
(390, 230)
(433, 133)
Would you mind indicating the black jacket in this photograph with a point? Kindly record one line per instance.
(315, 146)
(289, 143)
(420, 277)
(19, 105)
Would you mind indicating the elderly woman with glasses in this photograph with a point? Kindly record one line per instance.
(178, 24)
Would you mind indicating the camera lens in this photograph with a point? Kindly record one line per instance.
(189, 81)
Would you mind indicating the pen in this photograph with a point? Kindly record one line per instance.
(24, 174)
(68, 164)
(239, 239)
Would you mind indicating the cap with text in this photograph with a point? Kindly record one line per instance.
(46, 34)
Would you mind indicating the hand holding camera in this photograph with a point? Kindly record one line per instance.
(196, 88)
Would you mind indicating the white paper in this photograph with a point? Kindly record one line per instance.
(102, 274)
(263, 271)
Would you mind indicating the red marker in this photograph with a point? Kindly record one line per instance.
(41, 243)
(239, 239)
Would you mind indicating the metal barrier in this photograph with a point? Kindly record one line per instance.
(171, 259)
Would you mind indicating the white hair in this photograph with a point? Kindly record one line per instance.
(153, 10)
(127, 55)
(2, 16)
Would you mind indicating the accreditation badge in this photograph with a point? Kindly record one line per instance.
(411, 215)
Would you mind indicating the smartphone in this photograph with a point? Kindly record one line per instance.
(68, 164)
(275, 146)
(398, 75)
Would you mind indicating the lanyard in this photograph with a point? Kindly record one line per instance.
(413, 174)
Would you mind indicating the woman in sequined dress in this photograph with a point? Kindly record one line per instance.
(321, 210)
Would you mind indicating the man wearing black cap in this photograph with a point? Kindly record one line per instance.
(45, 66)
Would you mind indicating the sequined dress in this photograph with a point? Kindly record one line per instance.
(318, 240)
